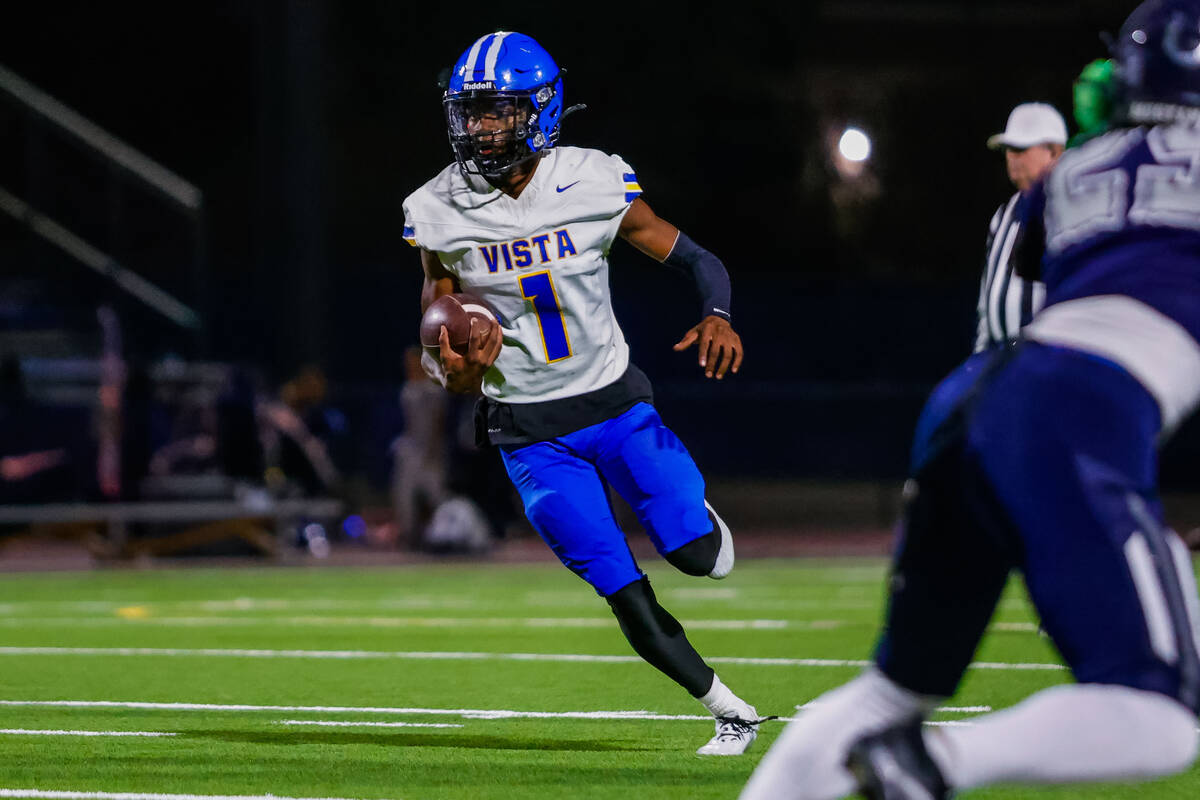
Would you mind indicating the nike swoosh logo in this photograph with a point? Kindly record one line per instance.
(568, 186)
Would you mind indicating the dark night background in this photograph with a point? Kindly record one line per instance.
(305, 123)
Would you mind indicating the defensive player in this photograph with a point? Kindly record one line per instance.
(527, 226)
(1042, 458)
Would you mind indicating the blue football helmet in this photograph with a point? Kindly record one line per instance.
(503, 103)
(1157, 63)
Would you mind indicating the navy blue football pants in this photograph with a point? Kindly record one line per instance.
(562, 483)
(1041, 459)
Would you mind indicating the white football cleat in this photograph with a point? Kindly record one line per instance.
(733, 737)
(724, 564)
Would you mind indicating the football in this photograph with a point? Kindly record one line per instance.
(455, 311)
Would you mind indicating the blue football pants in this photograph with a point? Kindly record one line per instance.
(562, 483)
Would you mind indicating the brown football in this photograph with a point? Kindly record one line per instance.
(455, 311)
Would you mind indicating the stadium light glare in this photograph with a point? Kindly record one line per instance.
(854, 145)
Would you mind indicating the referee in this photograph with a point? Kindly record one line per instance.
(1032, 141)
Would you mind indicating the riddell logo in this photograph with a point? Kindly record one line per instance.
(470, 85)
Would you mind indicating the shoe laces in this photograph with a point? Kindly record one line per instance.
(738, 728)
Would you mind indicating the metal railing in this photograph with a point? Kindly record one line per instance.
(124, 163)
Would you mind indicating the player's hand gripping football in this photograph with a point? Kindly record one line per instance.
(464, 373)
(720, 347)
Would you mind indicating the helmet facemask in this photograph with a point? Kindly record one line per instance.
(492, 132)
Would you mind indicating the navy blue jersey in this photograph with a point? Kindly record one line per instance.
(1042, 457)
(1122, 216)
(1121, 261)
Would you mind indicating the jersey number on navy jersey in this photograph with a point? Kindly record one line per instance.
(1091, 196)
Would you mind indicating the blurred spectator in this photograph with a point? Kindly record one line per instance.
(37, 461)
(419, 475)
(239, 445)
(478, 473)
(143, 428)
(297, 429)
(110, 398)
(458, 526)
(187, 443)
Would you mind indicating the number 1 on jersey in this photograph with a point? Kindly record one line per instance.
(539, 288)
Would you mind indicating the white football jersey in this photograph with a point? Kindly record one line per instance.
(541, 262)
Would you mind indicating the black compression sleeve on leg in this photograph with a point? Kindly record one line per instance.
(697, 557)
(948, 574)
(658, 637)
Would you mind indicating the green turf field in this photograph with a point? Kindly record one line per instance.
(500, 662)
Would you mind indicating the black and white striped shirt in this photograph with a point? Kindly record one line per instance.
(1006, 301)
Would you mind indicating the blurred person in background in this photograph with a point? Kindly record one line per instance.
(38, 463)
(1092, 99)
(298, 429)
(1032, 141)
(110, 403)
(419, 472)
(239, 448)
(477, 471)
(1043, 458)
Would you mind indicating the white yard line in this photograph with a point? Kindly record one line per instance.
(406, 602)
(964, 709)
(141, 615)
(139, 618)
(538, 599)
(41, 732)
(61, 795)
(460, 656)
(465, 713)
(145, 615)
(942, 709)
(343, 724)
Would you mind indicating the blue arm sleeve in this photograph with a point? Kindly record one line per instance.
(707, 271)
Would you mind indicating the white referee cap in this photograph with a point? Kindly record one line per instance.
(1030, 124)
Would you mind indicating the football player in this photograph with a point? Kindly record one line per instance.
(1042, 458)
(527, 226)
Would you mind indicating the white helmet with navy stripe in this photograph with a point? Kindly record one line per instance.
(503, 103)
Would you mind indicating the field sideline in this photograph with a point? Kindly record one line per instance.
(442, 681)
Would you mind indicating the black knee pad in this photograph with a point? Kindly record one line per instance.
(697, 557)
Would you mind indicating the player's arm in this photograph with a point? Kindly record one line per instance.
(438, 280)
(458, 373)
(1030, 247)
(720, 348)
